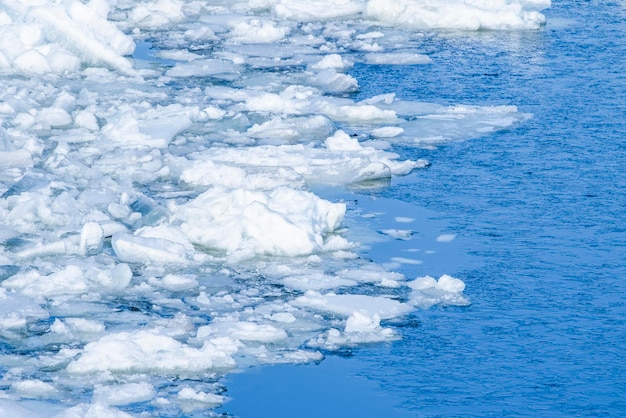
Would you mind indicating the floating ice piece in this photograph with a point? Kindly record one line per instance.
(450, 284)
(68, 281)
(357, 322)
(34, 389)
(54, 117)
(330, 81)
(441, 125)
(294, 100)
(332, 61)
(29, 182)
(356, 113)
(459, 14)
(137, 249)
(205, 68)
(77, 326)
(123, 394)
(86, 34)
(15, 409)
(116, 278)
(71, 280)
(51, 249)
(175, 282)
(242, 331)
(342, 161)
(309, 10)
(208, 400)
(154, 128)
(148, 351)
(446, 238)
(255, 30)
(91, 238)
(16, 310)
(374, 275)
(404, 260)
(317, 281)
(214, 113)
(94, 410)
(428, 292)
(347, 304)
(293, 128)
(156, 14)
(422, 283)
(16, 158)
(387, 132)
(403, 234)
(341, 141)
(359, 329)
(208, 173)
(87, 120)
(404, 219)
(301, 100)
(244, 223)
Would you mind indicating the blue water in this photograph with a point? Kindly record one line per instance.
(539, 212)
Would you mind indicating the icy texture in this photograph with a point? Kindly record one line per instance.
(158, 220)
(460, 14)
(44, 37)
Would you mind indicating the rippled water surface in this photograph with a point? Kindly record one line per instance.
(538, 212)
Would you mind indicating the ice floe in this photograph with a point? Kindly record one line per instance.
(159, 222)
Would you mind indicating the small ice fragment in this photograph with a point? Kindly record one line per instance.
(255, 30)
(357, 322)
(210, 400)
(334, 61)
(446, 238)
(403, 260)
(387, 132)
(331, 81)
(91, 238)
(214, 113)
(116, 278)
(249, 331)
(94, 410)
(316, 282)
(83, 325)
(86, 120)
(450, 284)
(124, 394)
(147, 351)
(16, 158)
(33, 389)
(176, 282)
(402, 234)
(68, 281)
(135, 249)
(405, 220)
(17, 310)
(341, 141)
(28, 183)
(346, 305)
(422, 283)
(284, 317)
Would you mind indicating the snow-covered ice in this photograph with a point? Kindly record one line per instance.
(158, 219)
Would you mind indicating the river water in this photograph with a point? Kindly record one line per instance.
(538, 213)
